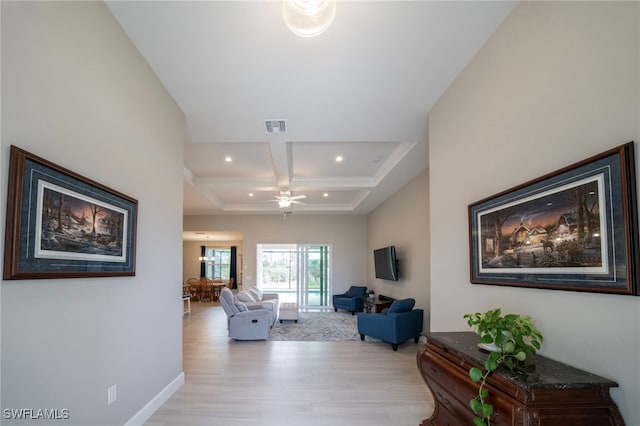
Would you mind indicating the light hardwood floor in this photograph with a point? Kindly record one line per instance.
(291, 383)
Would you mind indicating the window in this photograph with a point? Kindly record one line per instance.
(220, 266)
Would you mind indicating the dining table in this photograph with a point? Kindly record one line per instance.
(217, 288)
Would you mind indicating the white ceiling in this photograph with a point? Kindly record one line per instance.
(362, 90)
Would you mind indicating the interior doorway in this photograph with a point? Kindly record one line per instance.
(297, 272)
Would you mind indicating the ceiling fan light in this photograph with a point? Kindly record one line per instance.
(308, 18)
(284, 203)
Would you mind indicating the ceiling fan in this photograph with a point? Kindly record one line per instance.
(285, 199)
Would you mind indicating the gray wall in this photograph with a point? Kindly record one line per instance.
(346, 233)
(557, 83)
(76, 91)
(402, 221)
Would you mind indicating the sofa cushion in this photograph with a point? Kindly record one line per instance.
(241, 306)
(399, 306)
(245, 296)
(256, 293)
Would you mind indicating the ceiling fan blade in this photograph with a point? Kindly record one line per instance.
(298, 197)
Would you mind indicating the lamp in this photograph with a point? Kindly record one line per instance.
(308, 18)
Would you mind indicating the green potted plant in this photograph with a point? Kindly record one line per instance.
(371, 293)
(509, 339)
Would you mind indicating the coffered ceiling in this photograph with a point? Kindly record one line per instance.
(361, 90)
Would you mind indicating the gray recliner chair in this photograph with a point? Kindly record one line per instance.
(244, 323)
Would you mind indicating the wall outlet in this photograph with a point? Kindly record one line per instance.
(112, 394)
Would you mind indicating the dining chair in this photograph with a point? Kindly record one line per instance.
(206, 288)
(193, 284)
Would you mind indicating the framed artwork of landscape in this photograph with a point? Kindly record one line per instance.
(573, 229)
(62, 225)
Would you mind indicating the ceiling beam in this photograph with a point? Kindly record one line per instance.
(281, 160)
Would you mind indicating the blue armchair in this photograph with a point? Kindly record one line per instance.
(394, 325)
(351, 300)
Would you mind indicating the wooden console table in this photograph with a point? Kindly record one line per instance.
(372, 305)
(552, 394)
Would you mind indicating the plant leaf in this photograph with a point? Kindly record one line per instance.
(475, 405)
(479, 422)
(509, 347)
(486, 339)
(487, 410)
(508, 363)
(475, 374)
(490, 365)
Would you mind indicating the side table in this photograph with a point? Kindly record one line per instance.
(186, 302)
(372, 306)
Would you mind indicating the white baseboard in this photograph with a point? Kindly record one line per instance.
(152, 406)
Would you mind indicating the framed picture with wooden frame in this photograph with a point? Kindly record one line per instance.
(63, 225)
(572, 229)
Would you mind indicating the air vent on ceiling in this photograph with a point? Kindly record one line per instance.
(276, 126)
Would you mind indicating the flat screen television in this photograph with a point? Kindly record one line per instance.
(386, 264)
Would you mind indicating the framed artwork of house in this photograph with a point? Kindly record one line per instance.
(573, 229)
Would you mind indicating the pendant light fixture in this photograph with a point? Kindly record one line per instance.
(308, 18)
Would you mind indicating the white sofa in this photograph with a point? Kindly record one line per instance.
(256, 299)
(243, 323)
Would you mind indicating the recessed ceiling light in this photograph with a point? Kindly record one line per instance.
(251, 194)
(326, 194)
(339, 158)
(228, 159)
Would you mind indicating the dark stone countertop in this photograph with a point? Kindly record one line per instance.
(544, 373)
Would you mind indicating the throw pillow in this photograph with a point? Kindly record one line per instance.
(404, 305)
(241, 307)
(245, 296)
(256, 293)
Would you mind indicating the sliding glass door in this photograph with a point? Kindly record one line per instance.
(298, 272)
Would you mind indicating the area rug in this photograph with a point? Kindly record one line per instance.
(317, 327)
